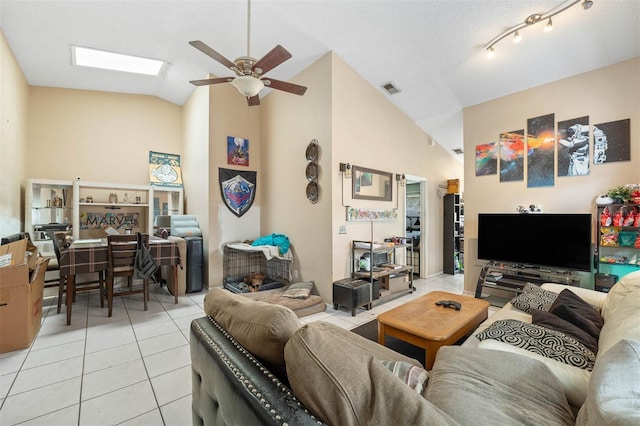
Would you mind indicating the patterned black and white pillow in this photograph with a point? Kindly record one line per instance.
(534, 297)
(542, 341)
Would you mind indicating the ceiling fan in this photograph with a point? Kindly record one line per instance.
(249, 72)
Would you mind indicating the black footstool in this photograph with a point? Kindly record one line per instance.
(352, 293)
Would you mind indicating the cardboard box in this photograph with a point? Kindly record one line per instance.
(18, 252)
(453, 186)
(20, 299)
(395, 283)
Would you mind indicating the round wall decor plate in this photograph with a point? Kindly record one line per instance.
(312, 171)
(312, 151)
(312, 192)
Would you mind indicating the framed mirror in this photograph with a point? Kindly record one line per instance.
(369, 184)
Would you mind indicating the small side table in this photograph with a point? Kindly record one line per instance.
(352, 293)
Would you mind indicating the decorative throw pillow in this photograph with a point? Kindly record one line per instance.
(554, 322)
(571, 307)
(542, 341)
(414, 377)
(298, 290)
(534, 297)
(262, 328)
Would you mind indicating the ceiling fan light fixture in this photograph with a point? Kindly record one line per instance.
(247, 85)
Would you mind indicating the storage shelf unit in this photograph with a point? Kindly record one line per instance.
(616, 258)
(167, 201)
(130, 210)
(383, 275)
(48, 207)
(453, 234)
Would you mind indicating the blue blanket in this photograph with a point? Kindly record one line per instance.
(279, 240)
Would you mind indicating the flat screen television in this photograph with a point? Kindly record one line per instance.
(548, 240)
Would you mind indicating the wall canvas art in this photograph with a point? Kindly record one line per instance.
(237, 151)
(512, 156)
(612, 142)
(486, 159)
(540, 151)
(573, 147)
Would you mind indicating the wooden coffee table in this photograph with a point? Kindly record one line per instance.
(424, 324)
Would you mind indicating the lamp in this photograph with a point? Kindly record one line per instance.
(534, 19)
(247, 85)
(401, 179)
(345, 168)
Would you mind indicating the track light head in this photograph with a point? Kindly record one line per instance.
(490, 52)
(517, 38)
(549, 26)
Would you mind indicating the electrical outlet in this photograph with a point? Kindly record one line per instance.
(295, 273)
(342, 230)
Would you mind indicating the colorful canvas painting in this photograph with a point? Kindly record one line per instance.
(237, 151)
(540, 151)
(612, 142)
(512, 156)
(486, 159)
(164, 169)
(573, 147)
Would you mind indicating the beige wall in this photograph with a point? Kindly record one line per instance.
(607, 94)
(353, 122)
(195, 163)
(229, 115)
(289, 123)
(14, 108)
(99, 136)
(369, 131)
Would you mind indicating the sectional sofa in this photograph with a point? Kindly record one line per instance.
(255, 363)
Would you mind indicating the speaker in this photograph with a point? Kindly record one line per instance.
(604, 282)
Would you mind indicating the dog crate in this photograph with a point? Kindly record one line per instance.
(240, 260)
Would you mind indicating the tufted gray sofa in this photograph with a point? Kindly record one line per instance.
(230, 387)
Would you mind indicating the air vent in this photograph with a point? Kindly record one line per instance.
(457, 151)
(390, 88)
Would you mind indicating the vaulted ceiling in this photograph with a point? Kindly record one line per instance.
(431, 50)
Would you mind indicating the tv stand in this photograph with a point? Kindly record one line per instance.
(509, 277)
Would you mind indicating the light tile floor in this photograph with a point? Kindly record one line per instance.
(132, 368)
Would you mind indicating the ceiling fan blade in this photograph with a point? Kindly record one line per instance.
(211, 81)
(275, 57)
(254, 100)
(212, 53)
(284, 86)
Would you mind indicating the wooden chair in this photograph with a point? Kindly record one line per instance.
(60, 243)
(122, 255)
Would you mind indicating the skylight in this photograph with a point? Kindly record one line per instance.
(86, 57)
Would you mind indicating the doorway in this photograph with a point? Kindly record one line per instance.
(415, 207)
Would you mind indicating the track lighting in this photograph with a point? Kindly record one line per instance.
(534, 19)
